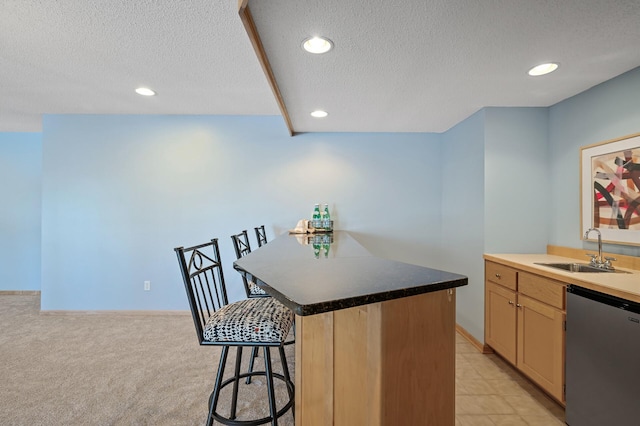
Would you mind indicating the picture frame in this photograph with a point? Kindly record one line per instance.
(610, 190)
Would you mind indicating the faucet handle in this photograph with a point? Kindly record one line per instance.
(607, 262)
(593, 257)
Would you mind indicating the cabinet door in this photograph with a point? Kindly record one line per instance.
(500, 320)
(541, 344)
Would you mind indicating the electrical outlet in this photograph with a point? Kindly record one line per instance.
(147, 285)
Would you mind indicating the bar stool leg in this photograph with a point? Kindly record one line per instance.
(269, 375)
(287, 377)
(213, 399)
(254, 355)
(236, 380)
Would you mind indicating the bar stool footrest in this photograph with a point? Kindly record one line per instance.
(264, 420)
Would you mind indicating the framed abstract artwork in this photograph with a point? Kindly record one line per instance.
(610, 189)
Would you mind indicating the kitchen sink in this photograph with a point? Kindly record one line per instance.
(578, 267)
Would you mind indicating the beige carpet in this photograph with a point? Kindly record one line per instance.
(113, 369)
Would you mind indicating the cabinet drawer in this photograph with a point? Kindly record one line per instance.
(500, 274)
(545, 290)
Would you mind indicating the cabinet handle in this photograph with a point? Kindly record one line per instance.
(497, 275)
(510, 302)
(518, 305)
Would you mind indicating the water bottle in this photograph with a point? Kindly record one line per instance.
(326, 218)
(316, 218)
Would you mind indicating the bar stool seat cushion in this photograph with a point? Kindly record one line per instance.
(255, 290)
(261, 320)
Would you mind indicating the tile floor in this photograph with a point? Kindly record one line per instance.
(491, 392)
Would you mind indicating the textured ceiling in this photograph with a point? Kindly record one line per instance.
(87, 57)
(414, 65)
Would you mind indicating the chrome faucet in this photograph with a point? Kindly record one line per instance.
(599, 261)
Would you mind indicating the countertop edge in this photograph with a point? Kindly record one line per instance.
(351, 302)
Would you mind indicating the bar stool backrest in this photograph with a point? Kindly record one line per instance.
(241, 244)
(204, 282)
(261, 235)
(243, 248)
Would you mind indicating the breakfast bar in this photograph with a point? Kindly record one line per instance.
(375, 338)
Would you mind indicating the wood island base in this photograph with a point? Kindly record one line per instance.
(387, 363)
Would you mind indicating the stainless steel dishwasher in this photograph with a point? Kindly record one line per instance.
(602, 359)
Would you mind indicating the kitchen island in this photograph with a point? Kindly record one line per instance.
(375, 338)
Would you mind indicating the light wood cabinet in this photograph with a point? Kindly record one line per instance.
(524, 323)
(385, 363)
(500, 320)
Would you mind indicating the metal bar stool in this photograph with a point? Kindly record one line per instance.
(242, 248)
(261, 235)
(257, 323)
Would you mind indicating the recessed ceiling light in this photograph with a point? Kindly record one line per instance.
(543, 69)
(144, 91)
(317, 45)
(319, 114)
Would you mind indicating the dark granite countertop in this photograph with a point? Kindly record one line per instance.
(347, 275)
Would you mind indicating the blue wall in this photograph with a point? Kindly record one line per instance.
(120, 192)
(20, 179)
(463, 216)
(494, 197)
(607, 111)
(517, 188)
